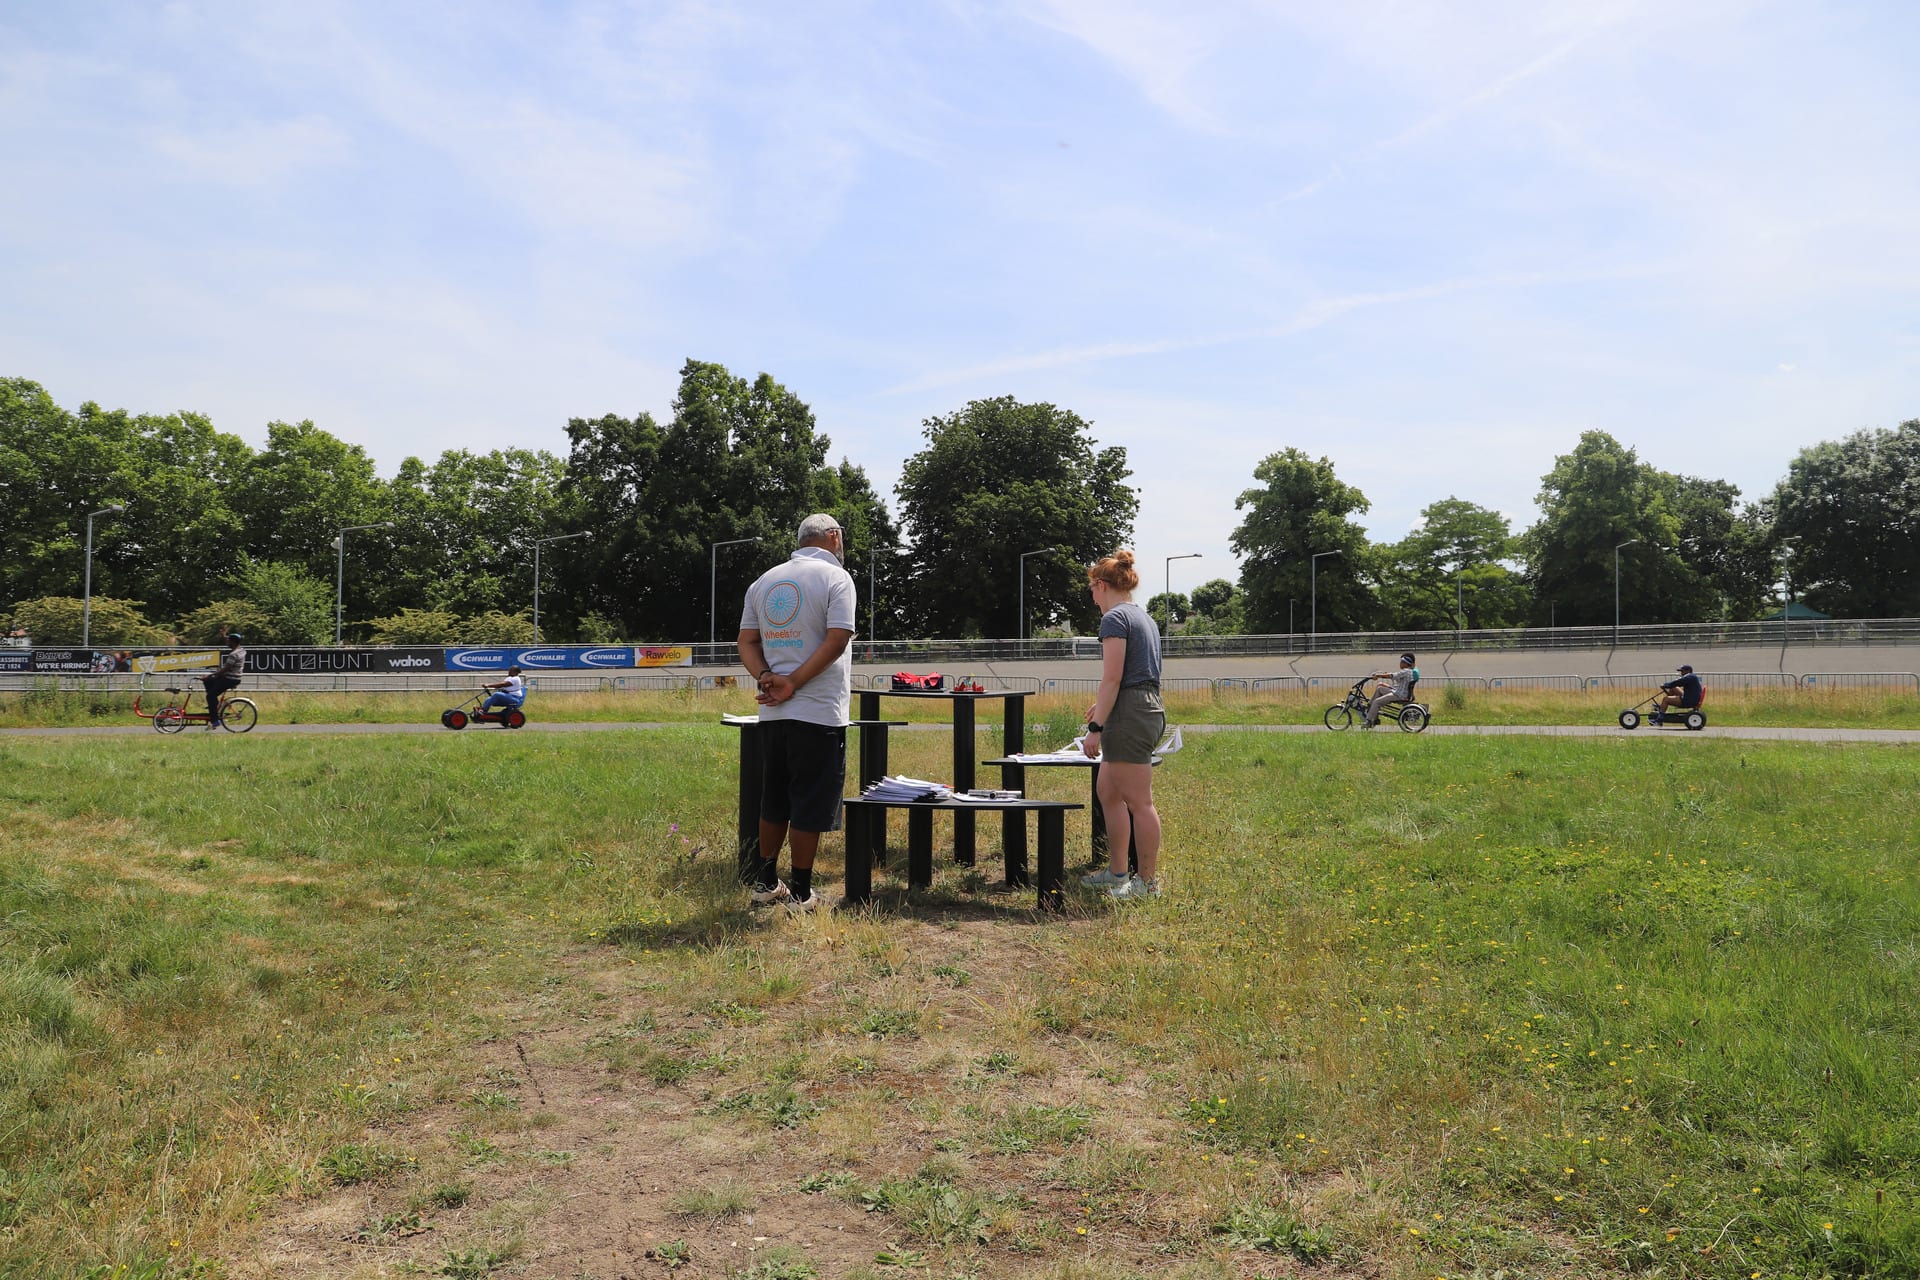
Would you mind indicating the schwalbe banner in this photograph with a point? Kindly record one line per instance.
(570, 657)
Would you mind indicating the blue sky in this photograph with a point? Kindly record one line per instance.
(1433, 240)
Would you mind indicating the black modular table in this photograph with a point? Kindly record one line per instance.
(1013, 742)
(753, 768)
(866, 830)
(1013, 777)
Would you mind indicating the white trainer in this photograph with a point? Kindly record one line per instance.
(1135, 890)
(1103, 879)
(768, 897)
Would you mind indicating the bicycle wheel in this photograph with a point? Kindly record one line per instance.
(239, 715)
(1339, 716)
(1413, 718)
(169, 720)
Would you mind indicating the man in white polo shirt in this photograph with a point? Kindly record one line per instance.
(795, 635)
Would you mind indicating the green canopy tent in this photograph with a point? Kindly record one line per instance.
(1796, 612)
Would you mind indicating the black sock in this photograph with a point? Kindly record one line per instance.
(768, 874)
(802, 882)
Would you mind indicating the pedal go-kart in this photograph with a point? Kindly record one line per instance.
(1675, 718)
(1412, 716)
(469, 712)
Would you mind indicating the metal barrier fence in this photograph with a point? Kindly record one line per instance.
(956, 655)
(1709, 679)
(1861, 680)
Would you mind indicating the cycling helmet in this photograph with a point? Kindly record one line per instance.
(234, 637)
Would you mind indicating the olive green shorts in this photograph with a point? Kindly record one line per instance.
(1134, 727)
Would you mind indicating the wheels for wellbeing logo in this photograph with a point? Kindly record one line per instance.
(781, 604)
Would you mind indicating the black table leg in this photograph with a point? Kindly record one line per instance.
(859, 865)
(873, 767)
(963, 757)
(1013, 777)
(920, 848)
(1013, 846)
(1053, 839)
(752, 769)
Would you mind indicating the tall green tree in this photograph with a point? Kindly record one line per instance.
(174, 537)
(1302, 508)
(996, 479)
(464, 530)
(1449, 572)
(740, 459)
(296, 495)
(1852, 507)
(1684, 561)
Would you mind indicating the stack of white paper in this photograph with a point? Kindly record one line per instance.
(904, 788)
(1075, 752)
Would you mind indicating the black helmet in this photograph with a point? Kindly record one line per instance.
(1686, 668)
(234, 637)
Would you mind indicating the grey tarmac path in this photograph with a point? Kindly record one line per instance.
(1889, 736)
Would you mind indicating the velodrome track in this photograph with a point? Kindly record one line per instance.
(1609, 730)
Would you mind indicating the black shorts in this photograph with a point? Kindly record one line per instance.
(806, 772)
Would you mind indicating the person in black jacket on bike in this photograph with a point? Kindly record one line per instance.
(1683, 693)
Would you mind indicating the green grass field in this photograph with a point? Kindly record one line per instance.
(1413, 1006)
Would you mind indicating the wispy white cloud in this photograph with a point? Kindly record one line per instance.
(253, 154)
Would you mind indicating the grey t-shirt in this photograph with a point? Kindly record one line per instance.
(1134, 625)
(792, 606)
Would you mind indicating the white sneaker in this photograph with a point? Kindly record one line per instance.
(767, 897)
(1135, 890)
(1103, 879)
(812, 902)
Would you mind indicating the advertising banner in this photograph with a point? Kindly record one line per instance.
(191, 660)
(16, 659)
(68, 662)
(302, 662)
(569, 657)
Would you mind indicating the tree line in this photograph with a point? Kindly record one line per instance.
(648, 530)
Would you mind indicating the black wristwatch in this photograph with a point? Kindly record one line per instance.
(1094, 726)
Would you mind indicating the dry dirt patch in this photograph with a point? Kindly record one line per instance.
(900, 1096)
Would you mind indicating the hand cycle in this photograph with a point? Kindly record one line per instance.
(1411, 716)
(237, 715)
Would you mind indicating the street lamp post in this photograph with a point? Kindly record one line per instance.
(340, 569)
(1616, 589)
(713, 584)
(1313, 592)
(1459, 605)
(86, 591)
(1786, 590)
(1167, 630)
(537, 544)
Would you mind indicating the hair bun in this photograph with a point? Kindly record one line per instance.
(1124, 558)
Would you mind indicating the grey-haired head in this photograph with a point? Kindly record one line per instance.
(816, 529)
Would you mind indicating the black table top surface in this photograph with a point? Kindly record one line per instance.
(946, 693)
